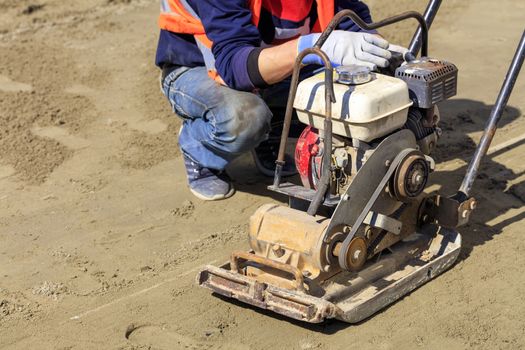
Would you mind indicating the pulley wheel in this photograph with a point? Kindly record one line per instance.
(357, 253)
(411, 177)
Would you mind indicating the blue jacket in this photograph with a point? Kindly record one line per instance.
(228, 23)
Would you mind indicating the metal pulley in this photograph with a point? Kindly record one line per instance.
(410, 177)
(356, 254)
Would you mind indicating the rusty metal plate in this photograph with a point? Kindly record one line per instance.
(350, 297)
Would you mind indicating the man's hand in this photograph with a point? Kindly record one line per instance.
(345, 48)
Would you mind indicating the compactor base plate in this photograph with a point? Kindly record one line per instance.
(347, 296)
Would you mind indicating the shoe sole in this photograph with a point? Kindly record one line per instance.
(213, 198)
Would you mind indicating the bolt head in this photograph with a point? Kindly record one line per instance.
(277, 250)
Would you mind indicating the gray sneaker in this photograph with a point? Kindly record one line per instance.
(207, 184)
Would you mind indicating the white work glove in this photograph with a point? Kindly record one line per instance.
(396, 48)
(346, 48)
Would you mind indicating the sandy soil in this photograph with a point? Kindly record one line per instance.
(100, 239)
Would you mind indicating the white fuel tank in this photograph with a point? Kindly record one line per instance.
(364, 112)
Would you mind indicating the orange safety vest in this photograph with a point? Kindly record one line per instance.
(176, 16)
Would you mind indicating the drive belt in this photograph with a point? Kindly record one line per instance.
(367, 180)
(359, 221)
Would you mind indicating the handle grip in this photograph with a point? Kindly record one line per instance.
(292, 270)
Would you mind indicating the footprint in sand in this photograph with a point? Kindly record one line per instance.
(8, 85)
(156, 337)
(79, 89)
(61, 135)
(155, 126)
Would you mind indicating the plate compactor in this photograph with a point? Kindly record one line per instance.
(360, 232)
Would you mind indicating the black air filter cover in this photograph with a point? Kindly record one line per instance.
(429, 80)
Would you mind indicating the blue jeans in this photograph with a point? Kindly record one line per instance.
(219, 123)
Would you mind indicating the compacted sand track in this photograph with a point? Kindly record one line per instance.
(100, 239)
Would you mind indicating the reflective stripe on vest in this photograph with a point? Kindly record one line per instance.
(178, 16)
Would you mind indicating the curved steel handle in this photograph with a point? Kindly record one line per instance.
(329, 97)
(340, 16)
(292, 270)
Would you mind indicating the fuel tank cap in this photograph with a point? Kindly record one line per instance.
(353, 74)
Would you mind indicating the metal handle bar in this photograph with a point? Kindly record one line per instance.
(340, 16)
(495, 117)
(292, 270)
(329, 97)
(430, 14)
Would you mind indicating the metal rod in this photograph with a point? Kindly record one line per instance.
(340, 16)
(324, 183)
(495, 116)
(329, 96)
(429, 15)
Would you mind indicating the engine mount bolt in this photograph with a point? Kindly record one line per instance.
(277, 250)
(387, 163)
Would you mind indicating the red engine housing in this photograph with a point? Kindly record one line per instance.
(308, 157)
